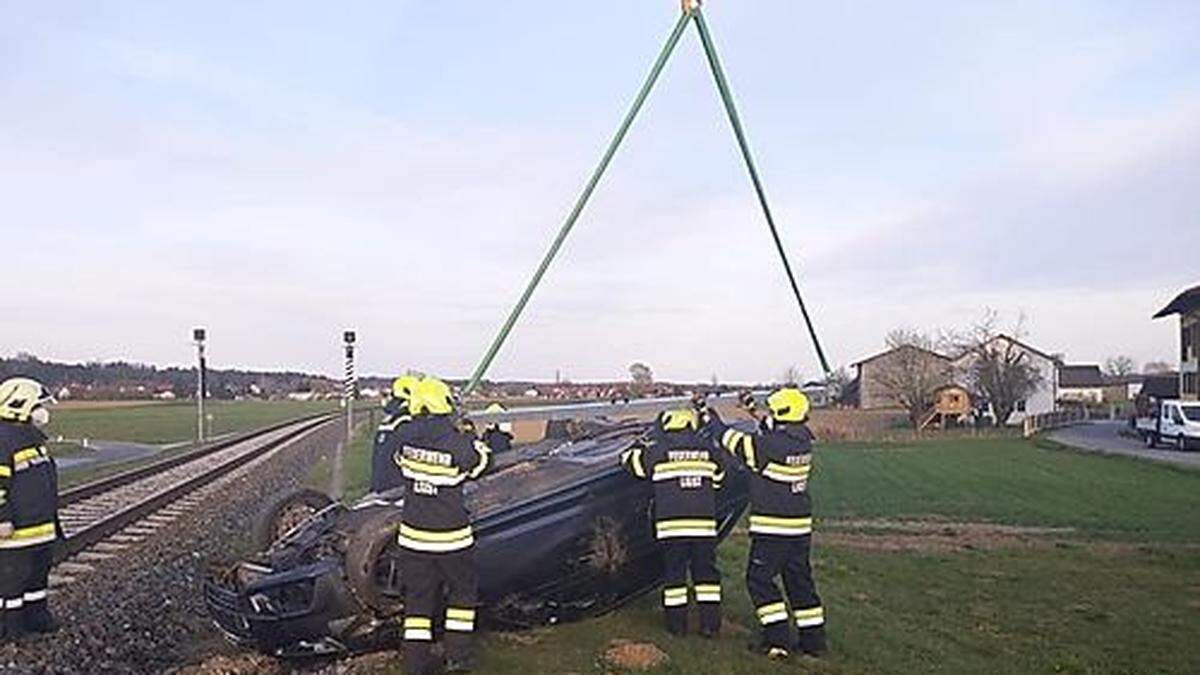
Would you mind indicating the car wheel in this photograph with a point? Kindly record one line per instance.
(285, 513)
(1181, 443)
(373, 563)
(1151, 440)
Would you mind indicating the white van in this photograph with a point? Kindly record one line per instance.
(1172, 421)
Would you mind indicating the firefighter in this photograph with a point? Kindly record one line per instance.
(498, 435)
(779, 456)
(28, 509)
(686, 472)
(437, 543)
(384, 472)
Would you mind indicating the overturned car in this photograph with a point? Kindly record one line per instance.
(562, 534)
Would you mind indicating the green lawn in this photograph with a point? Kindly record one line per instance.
(159, 423)
(1117, 590)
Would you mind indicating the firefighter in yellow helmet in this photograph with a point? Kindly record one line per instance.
(779, 457)
(436, 539)
(384, 472)
(686, 471)
(28, 509)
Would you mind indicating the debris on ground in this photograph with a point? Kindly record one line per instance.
(243, 664)
(637, 656)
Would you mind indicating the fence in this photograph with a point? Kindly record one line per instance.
(1035, 424)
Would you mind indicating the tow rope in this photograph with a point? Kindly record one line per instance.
(691, 13)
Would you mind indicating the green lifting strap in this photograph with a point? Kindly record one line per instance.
(727, 97)
(611, 152)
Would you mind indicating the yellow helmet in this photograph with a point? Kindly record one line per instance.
(431, 396)
(403, 386)
(678, 420)
(495, 408)
(19, 397)
(788, 405)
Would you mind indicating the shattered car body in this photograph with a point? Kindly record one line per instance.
(562, 534)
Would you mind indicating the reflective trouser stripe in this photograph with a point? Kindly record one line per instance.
(33, 535)
(807, 618)
(772, 613)
(419, 628)
(785, 527)
(686, 527)
(460, 619)
(432, 541)
(34, 596)
(708, 592)
(14, 603)
(675, 597)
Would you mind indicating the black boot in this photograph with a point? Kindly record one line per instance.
(39, 620)
(811, 642)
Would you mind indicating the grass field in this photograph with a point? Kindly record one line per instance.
(953, 557)
(160, 423)
(157, 423)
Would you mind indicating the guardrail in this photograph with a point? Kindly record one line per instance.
(1036, 424)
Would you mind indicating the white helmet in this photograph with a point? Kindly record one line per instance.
(20, 396)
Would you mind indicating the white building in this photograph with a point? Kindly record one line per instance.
(1045, 397)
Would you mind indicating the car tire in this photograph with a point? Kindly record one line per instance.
(372, 554)
(286, 512)
(1181, 443)
(1151, 440)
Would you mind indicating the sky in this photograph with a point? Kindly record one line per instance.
(281, 171)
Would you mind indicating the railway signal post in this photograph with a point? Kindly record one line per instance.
(198, 336)
(350, 384)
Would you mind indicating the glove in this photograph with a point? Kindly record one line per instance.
(6, 530)
(710, 417)
(747, 400)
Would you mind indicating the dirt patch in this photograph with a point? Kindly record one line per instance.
(638, 656)
(936, 536)
(245, 664)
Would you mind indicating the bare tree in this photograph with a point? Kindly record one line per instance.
(791, 377)
(1156, 367)
(912, 373)
(641, 376)
(836, 383)
(999, 370)
(1120, 366)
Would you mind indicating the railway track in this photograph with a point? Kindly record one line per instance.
(101, 518)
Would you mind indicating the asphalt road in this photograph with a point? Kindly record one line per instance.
(1103, 436)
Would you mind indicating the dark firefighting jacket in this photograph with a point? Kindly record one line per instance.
(686, 471)
(436, 459)
(385, 473)
(780, 460)
(28, 486)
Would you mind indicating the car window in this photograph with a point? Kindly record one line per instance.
(1192, 412)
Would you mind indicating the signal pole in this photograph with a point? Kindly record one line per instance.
(350, 384)
(198, 336)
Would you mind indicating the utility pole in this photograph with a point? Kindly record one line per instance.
(198, 336)
(350, 384)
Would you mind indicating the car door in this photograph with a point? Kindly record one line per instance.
(1172, 421)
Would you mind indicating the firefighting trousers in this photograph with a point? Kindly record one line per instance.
(24, 575)
(442, 587)
(772, 557)
(699, 557)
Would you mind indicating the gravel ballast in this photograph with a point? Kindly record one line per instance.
(142, 611)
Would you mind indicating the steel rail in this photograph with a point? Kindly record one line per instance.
(125, 515)
(99, 486)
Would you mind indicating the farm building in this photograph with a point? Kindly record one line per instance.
(1081, 384)
(874, 373)
(1187, 306)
